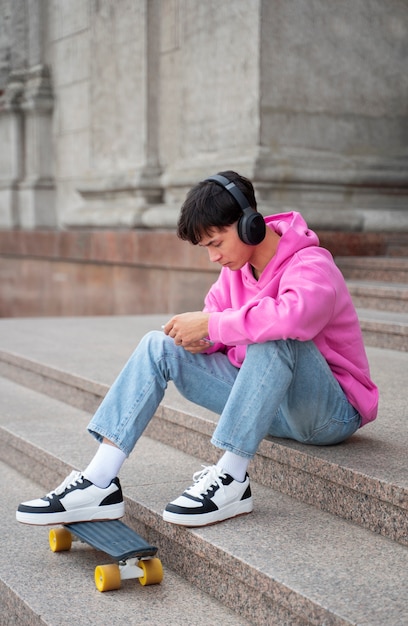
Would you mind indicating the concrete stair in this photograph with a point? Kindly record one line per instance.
(326, 543)
(388, 269)
(379, 288)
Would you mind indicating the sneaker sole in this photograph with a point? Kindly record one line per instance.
(69, 517)
(207, 519)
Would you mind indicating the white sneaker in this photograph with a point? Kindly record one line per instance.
(75, 500)
(214, 497)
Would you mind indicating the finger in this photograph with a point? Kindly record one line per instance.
(168, 326)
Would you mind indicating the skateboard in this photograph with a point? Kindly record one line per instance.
(135, 558)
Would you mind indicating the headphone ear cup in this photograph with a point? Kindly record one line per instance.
(251, 227)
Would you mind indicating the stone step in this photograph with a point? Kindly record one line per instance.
(287, 563)
(379, 295)
(364, 480)
(384, 329)
(39, 587)
(386, 269)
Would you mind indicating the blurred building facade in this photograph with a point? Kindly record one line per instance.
(111, 109)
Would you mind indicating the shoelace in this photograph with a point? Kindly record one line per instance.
(71, 480)
(209, 476)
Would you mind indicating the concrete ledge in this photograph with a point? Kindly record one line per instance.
(384, 329)
(379, 296)
(141, 246)
(100, 273)
(105, 272)
(391, 270)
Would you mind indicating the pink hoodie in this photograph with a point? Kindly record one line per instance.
(301, 294)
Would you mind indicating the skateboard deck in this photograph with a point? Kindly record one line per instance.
(135, 557)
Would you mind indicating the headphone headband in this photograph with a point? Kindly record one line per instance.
(233, 189)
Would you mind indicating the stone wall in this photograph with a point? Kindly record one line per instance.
(111, 109)
(129, 271)
(93, 272)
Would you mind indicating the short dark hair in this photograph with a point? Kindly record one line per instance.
(208, 205)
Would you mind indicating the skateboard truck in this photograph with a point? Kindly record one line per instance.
(148, 571)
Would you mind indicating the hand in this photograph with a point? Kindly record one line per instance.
(188, 329)
(197, 346)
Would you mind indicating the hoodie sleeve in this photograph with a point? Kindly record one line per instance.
(301, 307)
(216, 300)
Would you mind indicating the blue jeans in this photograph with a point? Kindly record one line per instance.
(284, 389)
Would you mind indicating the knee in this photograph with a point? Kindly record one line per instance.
(153, 339)
(156, 343)
(281, 349)
(266, 347)
(154, 335)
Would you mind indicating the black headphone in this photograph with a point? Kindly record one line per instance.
(251, 226)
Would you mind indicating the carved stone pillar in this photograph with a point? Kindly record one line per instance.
(124, 174)
(11, 153)
(13, 57)
(37, 189)
(27, 195)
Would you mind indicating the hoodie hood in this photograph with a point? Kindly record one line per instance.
(294, 232)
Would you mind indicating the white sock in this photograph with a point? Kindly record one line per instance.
(234, 465)
(105, 465)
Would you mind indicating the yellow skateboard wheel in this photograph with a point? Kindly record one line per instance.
(60, 539)
(153, 572)
(107, 577)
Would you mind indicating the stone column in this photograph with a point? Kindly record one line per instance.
(124, 173)
(11, 153)
(14, 55)
(37, 189)
(27, 195)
